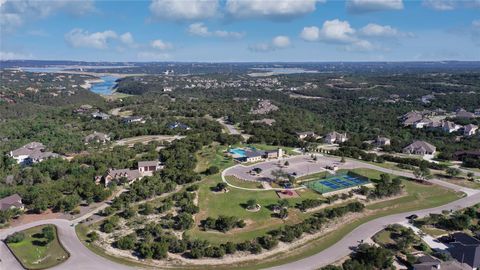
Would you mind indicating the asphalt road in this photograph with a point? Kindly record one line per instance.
(81, 258)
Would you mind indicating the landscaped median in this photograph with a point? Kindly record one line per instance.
(37, 247)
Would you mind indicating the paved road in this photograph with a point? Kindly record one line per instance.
(343, 247)
(81, 257)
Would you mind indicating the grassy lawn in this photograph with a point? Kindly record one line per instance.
(34, 253)
(242, 183)
(459, 181)
(288, 150)
(418, 196)
(212, 155)
(435, 232)
(231, 203)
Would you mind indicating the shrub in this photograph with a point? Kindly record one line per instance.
(15, 238)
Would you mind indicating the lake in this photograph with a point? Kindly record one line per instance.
(104, 87)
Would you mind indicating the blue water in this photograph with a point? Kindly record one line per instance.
(102, 88)
(105, 87)
(275, 70)
(238, 151)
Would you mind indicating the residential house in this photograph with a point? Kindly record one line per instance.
(119, 174)
(306, 134)
(133, 119)
(335, 137)
(100, 116)
(424, 122)
(179, 125)
(477, 112)
(464, 114)
(470, 130)
(450, 127)
(149, 167)
(428, 262)
(11, 202)
(465, 249)
(31, 153)
(382, 141)
(411, 118)
(462, 155)
(97, 137)
(420, 148)
(167, 89)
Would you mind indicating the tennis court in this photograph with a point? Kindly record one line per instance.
(337, 182)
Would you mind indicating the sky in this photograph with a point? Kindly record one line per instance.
(240, 30)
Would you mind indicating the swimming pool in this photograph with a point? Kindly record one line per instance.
(238, 152)
(241, 152)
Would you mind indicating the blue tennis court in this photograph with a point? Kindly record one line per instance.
(337, 182)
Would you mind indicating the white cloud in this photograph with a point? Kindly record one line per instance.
(80, 38)
(376, 30)
(337, 31)
(363, 6)
(161, 45)
(14, 56)
(153, 56)
(279, 9)
(278, 42)
(281, 42)
(14, 13)
(342, 33)
(177, 10)
(440, 5)
(310, 33)
(127, 39)
(199, 29)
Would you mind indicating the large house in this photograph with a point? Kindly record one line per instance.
(100, 116)
(428, 262)
(11, 202)
(133, 119)
(31, 153)
(149, 167)
(461, 155)
(450, 127)
(465, 249)
(97, 137)
(470, 130)
(461, 113)
(382, 141)
(420, 148)
(306, 134)
(335, 137)
(144, 168)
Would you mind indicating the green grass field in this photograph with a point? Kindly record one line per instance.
(33, 253)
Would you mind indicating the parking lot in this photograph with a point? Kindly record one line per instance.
(298, 165)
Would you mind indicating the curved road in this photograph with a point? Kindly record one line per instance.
(82, 258)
